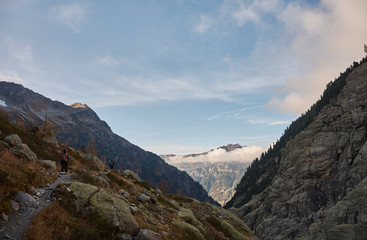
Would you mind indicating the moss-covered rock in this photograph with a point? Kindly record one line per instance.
(112, 207)
(189, 229)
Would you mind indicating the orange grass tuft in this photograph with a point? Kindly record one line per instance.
(19, 175)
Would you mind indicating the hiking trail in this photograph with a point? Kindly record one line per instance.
(18, 222)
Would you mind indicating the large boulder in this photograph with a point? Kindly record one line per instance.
(25, 200)
(112, 207)
(13, 140)
(131, 174)
(194, 231)
(23, 150)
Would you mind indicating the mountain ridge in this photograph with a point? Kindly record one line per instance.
(302, 187)
(77, 124)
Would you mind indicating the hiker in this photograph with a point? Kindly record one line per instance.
(64, 161)
(112, 163)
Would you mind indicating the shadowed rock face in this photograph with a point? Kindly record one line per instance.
(77, 124)
(320, 188)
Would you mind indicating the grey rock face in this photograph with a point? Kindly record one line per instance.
(144, 198)
(13, 140)
(25, 200)
(320, 189)
(23, 150)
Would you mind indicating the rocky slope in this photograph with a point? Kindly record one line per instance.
(219, 170)
(75, 125)
(94, 202)
(313, 183)
(218, 179)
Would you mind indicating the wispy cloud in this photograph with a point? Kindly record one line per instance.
(278, 123)
(268, 122)
(232, 114)
(72, 15)
(18, 55)
(249, 11)
(107, 60)
(204, 24)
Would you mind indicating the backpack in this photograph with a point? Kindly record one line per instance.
(64, 157)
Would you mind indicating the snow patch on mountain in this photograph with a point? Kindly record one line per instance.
(2, 103)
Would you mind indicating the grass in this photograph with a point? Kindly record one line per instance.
(60, 221)
(19, 175)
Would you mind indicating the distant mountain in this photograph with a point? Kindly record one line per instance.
(312, 184)
(77, 124)
(218, 170)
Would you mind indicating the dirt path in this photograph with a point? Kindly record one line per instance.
(19, 221)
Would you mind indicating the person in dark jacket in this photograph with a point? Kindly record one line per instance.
(64, 161)
(112, 163)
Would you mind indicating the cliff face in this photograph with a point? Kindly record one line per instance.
(319, 184)
(218, 170)
(75, 125)
(218, 179)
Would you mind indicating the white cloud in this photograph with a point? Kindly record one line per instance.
(245, 155)
(107, 60)
(249, 11)
(72, 15)
(204, 24)
(231, 114)
(17, 56)
(326, 39)
(278, 123)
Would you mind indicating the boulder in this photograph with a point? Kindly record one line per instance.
(14, 205)
(13, 140)
(153, 196)
(124, 193)
(144, 198)
(25, 200)
(132, 175)
(23, 150)
(146, 234)
(112, 207)
(124, 236)
(50, 165)
(133, 208)
(188, 216)
(189, 228)
(5, 217)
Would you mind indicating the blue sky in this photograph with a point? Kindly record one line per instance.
(183, 76)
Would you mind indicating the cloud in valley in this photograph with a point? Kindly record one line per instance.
(245, 155)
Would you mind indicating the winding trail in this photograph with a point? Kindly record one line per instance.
(19, 221)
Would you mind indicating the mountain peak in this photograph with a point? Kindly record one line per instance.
(78, 105)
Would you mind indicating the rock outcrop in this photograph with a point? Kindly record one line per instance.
(319, 186)
(112, 207)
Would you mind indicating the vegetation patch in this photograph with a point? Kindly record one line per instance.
(19, 175)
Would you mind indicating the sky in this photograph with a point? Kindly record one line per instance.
(183, 76)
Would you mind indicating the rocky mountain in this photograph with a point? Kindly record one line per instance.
(77, 124)
(218, 170)
(313, 183)
(92, 201)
